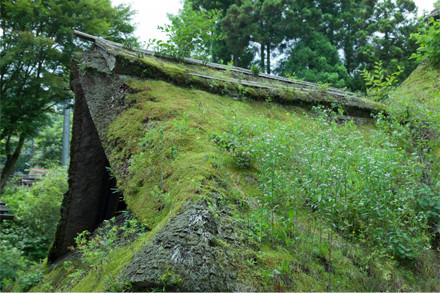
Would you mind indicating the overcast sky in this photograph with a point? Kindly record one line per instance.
(151, 13)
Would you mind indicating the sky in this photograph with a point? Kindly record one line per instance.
(151, 13)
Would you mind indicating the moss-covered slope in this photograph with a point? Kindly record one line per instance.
(166, 132)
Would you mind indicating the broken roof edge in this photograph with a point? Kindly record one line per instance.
(282, 90)
(103, 43)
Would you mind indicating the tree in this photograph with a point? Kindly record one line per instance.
(237, 26)
(191, 34)
(315, 59)
(37, 45)
(261, 21)
(313, 43)
(44, 149)
(221, 52)
(394, 21)
(361, 32)
(428, 40)
(271, 29)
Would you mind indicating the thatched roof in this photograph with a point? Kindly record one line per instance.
(435, 14)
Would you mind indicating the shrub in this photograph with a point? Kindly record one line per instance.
(255, 70)
(191, 33)
(11, 263)
(36, 211)
(380, 85)
(364, 188)
(95, 248)
(429, 43)
(29, 278)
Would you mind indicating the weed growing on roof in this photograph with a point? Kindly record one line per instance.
(161, 195)
(255, 70)
(95, 248)
(380, 85)
(368, 190)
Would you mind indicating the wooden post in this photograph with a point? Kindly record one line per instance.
(66, 136)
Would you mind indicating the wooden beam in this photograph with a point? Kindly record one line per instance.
(84, 36)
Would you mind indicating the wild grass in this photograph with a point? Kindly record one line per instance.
(371, 190)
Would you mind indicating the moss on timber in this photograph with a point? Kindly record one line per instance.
(222, 83)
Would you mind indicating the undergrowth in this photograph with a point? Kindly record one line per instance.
(370, 189)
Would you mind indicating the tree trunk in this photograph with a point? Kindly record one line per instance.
(268, 58)
(235, 60)
(262, 57)
(11, 160)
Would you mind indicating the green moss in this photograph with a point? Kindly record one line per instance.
(422, 86)
(96, 280)
(179, 157)
(227, 83)
(419, 96)
(163, 141)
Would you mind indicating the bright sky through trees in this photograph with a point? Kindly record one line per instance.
(150, 14)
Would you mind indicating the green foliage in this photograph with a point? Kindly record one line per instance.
(161, 195)
(37, 45)
(190, 34)
(389, 26)
(232, 142)
(316, 60)
(26, 239)
(237, 29)
(167, 279)
(44, 150)
(429, 43)
(380, 85)
(36, 212)
(95, 248)
(11, 263)
(73, 274)
(365, 190)
(315, 32)
(118, 285)
(255, 70)
(28, 279)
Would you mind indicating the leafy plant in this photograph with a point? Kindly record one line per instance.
(95, 248)
(73, 274)
(11, 263)
(255, 70)
(429, 43)
(323, 86)
(364, 190)
(229, 66)
(161, 195)
(28, 279)
(169, 279)
(190, 35)
(380, 84)
(118, 285)
(36, 211)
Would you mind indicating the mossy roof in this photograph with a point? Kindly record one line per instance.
(156, 119)
(229, 80)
